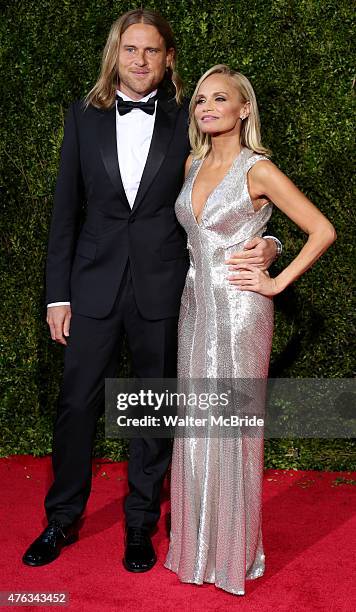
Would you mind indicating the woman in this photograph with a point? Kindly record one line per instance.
(226, 324)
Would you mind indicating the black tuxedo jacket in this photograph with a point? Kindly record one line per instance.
(85, 264)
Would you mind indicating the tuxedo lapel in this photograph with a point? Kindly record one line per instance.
(108, 150)
(166, 115)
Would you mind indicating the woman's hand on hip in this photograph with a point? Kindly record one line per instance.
(251, 278)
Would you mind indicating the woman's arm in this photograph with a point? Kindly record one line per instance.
(267, 180)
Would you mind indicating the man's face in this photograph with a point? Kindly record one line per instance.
(143, 59)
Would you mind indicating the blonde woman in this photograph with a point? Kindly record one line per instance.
(226, 324)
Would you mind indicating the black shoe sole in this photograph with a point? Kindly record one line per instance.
(139, 571)
(71, 540)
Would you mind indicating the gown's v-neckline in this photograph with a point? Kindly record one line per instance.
(198, 223)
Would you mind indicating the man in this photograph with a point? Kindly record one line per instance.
(125, 272)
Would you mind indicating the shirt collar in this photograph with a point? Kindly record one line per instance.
(125, 97)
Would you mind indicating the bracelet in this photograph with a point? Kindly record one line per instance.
(278, 245)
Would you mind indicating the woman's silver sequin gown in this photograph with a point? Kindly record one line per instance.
(216, 483)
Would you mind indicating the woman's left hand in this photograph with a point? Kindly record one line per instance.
(251, 278)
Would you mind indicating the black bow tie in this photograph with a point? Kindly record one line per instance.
(126, 106)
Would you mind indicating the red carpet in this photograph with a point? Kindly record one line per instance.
(309, 538)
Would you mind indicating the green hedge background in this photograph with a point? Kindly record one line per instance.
(298, 56)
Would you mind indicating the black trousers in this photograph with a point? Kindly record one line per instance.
(91, 355)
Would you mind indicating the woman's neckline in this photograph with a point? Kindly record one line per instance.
(200, 217)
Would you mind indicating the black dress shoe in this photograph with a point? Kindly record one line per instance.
(139, 552)
(47, 547)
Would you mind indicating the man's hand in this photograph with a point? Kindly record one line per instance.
(259, 252)
(58, 319)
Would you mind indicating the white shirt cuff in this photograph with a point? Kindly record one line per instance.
(58, 304)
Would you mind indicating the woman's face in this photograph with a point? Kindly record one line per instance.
(218, 105)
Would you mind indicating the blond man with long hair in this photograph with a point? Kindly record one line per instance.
(121, 271)
(225, 329)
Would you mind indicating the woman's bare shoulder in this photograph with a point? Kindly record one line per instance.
(188, 165)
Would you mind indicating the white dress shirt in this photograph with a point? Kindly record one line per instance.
(133, 136)
(133, 139)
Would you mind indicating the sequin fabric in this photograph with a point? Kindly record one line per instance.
(216, 483)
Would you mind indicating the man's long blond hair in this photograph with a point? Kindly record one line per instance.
(102, 95)
(250, 135)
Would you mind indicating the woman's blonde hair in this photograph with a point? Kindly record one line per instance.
(102, 95)
(250, 135)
